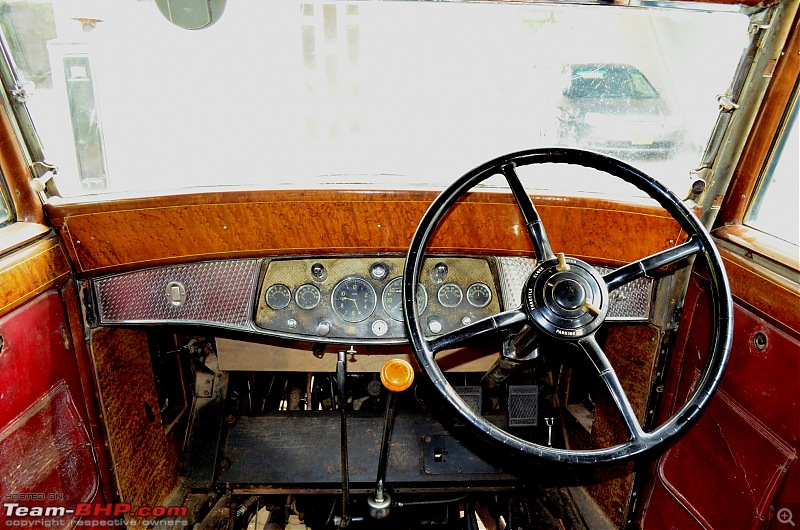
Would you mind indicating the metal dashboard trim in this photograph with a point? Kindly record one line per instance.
(228, 290)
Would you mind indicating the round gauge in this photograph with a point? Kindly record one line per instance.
(278, 296)
(307, 296)
(450, 295)
(353, 299)
(479, 295)
(393, 298)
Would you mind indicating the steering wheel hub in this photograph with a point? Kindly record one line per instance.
(563, 302)
(569, 294)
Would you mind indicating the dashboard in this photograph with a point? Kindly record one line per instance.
(350, 298)
(340, 300)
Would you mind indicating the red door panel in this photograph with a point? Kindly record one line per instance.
(46, 454)
(728, 469)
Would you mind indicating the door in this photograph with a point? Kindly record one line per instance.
(51, 453)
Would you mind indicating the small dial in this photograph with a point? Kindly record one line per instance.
(479, 295)
(278, 296)
(307, 296)
(450, 295)
(393, 298)
(353, 299)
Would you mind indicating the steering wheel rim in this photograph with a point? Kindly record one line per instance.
(698, 243)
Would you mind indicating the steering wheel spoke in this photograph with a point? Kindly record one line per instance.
(646, 266)
(609, 377)
(499, 322)
(533, 223)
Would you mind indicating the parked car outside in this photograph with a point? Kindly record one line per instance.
(615, 109)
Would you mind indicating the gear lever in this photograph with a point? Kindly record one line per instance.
(396, 375)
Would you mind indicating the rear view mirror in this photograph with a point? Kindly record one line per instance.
(191, 14)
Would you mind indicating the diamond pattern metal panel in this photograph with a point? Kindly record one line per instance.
(629, 302)
(514, 273)
(632, 300)
(217, 292)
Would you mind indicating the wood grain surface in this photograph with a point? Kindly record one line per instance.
(134, 233)
(145, 461)
(31, 271)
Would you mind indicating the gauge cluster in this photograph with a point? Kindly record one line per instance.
(361, 299)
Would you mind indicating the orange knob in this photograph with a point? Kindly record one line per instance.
(397, 375)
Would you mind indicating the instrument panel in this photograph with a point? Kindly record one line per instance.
(358, 298)
(346, 300)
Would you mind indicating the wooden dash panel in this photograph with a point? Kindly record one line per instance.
(31, 271)
(134, 233)
(145, 460)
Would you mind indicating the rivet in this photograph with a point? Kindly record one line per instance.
(224, 227)
(78, 242)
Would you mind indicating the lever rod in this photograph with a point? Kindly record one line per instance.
(396, 375)
(383, 459)
(341, 375)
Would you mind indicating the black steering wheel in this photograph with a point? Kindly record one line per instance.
(567, 300)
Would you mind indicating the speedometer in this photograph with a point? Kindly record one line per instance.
(353, 299)
(393, 298)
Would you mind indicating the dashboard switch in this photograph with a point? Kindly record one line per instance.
(434, 325)
(379, 328)
(318, 272)
(323, 328)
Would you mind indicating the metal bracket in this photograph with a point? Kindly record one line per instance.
(39, 184)
(21, 92)
(726, 104)
(203, 381)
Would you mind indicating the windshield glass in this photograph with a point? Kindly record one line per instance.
(381, 94)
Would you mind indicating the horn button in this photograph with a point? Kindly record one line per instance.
(558, 297)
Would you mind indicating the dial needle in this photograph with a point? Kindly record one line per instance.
(355, 304)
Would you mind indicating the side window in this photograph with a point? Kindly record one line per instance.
(774, 207)
(6, 216)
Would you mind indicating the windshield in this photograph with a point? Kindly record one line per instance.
(380, 94)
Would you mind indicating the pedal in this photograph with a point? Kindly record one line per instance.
(472, 396)
(523, 405)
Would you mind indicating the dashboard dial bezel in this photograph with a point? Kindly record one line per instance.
(399, 279)
(372, 304)
(306, 287)
(482, 286)
(450, 285)
(272, 288)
